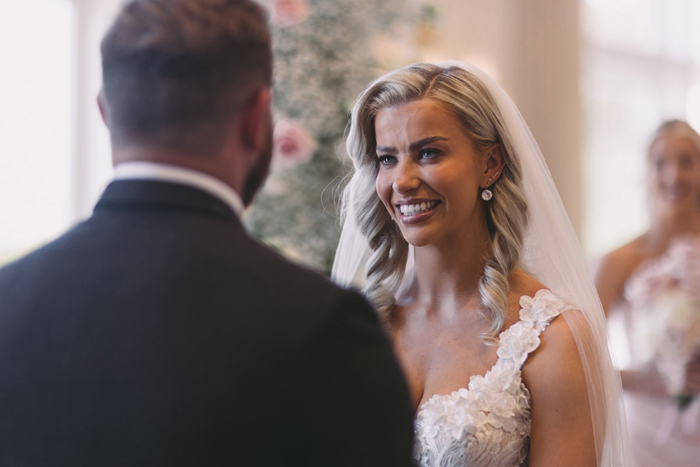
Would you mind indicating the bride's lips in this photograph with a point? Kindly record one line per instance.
(417, 217)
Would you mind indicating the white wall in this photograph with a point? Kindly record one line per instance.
(92, 163)
(54, 148)
(640, 66)
(35, 122)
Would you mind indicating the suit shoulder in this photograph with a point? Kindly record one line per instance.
(34, 260)
(281, 272)
(303, 292)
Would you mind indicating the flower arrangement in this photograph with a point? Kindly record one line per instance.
(667, 332)
(323, 53)
(292, 145)
(287, 13)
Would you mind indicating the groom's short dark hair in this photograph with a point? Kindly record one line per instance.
(174, 70)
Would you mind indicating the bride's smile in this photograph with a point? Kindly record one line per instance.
(413, 211)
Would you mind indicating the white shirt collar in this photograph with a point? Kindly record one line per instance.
(183, 176)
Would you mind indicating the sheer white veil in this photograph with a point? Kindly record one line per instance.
(553, 255)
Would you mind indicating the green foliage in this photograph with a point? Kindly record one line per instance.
(321, 64)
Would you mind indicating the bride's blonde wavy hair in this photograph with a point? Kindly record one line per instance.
(461, 93)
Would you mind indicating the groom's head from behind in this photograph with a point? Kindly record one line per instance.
(187, 82)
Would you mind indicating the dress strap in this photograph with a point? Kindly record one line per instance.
(523, 337)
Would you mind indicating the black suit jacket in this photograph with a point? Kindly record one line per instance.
(157, 333)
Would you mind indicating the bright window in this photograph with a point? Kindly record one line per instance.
(640, 62)
(35, 123)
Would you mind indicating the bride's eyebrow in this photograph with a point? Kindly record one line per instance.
(425, 141)
(387, 150)
(414, 146)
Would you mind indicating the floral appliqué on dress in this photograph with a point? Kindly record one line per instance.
(488, 423)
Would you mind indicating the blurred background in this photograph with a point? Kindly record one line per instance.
(592, 78)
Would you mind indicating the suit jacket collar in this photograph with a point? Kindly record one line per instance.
(142, 170)
(151, 193)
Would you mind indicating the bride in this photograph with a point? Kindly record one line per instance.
(473, 265)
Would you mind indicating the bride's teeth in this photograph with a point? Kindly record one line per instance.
(410, 209)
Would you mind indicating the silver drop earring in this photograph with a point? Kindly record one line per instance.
(487, 194)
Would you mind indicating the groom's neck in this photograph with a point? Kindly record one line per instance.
(215, 165)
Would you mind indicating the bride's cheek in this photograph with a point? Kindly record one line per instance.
(383, 196)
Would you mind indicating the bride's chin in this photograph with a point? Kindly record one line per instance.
(417, 241)
(421, 237)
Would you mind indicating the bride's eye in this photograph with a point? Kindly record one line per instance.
(428, 153)
(385, 160)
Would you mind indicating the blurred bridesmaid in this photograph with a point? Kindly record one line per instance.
(654, 281)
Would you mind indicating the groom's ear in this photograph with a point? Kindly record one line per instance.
(102, 105)
(256, 120)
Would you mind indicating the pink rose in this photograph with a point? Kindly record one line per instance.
(286, 13)
(292, 145)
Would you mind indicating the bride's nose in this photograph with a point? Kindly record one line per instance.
(406, 178)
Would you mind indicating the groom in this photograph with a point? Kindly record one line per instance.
(157, 332)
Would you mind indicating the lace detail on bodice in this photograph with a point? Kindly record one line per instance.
(488, 423)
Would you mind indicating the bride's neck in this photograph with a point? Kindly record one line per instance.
(447, 275)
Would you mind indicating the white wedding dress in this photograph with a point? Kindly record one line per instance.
(488, 423)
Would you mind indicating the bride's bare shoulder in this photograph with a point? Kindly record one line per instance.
(559, 332)
(555, 377)
(522, 283)
(558, 348)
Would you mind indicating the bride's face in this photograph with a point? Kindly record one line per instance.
(429, 172)
(674, 173)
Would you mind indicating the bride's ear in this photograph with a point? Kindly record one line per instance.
(495, 163)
